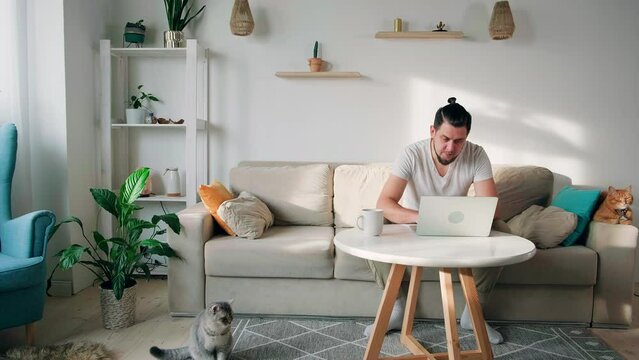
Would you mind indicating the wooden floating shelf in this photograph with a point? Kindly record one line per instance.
(320, 74)
(420, 35)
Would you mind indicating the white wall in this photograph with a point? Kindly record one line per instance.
(562, 93)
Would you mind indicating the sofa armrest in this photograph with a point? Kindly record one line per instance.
(186, 275)
(615, 246)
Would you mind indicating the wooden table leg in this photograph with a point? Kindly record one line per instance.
(476, 313)
(383, 313)
(409, 313)
(448, 301)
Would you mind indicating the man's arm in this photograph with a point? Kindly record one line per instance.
(487, 188)
(389, 201)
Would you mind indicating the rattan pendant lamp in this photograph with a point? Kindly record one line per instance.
(242, 23)
(502, 25)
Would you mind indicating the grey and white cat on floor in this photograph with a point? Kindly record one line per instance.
(210, 338)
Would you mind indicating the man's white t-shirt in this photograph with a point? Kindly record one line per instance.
(416, 165)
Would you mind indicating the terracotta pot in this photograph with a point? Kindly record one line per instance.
(117, 314)
(315, 64)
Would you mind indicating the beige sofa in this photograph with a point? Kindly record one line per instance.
(295, 269)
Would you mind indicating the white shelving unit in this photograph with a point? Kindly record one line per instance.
(122, 148)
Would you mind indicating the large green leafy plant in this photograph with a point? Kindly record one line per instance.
(114, 260)
(174, 13)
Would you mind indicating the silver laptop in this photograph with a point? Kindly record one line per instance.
(456, 215)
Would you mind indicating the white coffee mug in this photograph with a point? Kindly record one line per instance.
(371, 222)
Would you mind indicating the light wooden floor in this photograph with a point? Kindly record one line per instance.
(78, 318)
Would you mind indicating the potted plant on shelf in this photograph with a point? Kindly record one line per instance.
(136, 112)
(114, 260)
(178, 19)
(315, 63)
(134, 33)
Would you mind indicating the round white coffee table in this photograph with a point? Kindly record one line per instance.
(400, 246)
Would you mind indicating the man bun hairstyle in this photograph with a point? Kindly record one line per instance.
(454, 114)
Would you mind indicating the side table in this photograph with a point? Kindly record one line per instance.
(402, 247)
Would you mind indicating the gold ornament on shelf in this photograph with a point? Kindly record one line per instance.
(397, 25)
(242, 23)
(502, 25)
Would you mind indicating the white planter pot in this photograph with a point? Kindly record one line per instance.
(135, 116)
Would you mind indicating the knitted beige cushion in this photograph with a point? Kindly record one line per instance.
(545, 227)
(518, 187)
(246, 215)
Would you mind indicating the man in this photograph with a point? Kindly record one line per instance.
(446, 164)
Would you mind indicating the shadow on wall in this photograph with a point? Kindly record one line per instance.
(262, 28)
(218, 114)
(509, 134)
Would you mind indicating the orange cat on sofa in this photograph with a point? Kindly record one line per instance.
(615, 208)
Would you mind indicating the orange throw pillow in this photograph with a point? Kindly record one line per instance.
(213, 196)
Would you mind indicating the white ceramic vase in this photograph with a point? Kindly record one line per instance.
(172, 182)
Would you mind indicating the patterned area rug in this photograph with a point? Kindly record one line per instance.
(306, 339)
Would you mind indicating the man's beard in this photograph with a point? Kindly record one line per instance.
(442, 161)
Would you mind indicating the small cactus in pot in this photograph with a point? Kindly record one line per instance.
(315, 63)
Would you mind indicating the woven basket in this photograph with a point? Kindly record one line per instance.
(502, 25)
(118, 314)
(242, 23)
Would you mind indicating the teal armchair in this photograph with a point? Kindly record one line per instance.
(23, 244)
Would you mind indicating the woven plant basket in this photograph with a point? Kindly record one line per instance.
(118, 314)
(242, 23)
(502, 25)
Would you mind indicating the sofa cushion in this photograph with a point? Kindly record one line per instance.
(518, 187)
(580, 202)
(297, 195)
(282, 252)
(357, 187)
(575, 265)
(545, 227)
(213, 196)
(349, 267)
(246, 215)
(18, 273)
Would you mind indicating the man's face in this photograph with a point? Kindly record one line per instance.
(448, 141)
